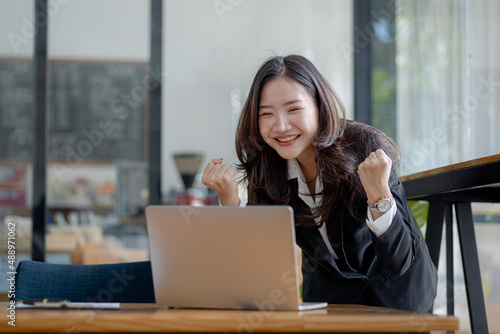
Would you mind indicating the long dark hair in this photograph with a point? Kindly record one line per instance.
(340, 145)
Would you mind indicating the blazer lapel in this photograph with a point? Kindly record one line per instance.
(311, 242)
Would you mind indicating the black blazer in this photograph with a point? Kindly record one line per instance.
(394, 270)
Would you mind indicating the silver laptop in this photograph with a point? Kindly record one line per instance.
(224, 257)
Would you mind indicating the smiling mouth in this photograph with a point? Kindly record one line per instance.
(287, 139)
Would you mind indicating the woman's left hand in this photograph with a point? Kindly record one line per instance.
(374, 174)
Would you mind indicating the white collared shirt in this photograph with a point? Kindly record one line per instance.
(378, 227)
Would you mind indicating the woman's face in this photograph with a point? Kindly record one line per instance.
(288, 119)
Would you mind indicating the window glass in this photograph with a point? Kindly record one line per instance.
(16, 100)
(447, 82)
(97, 160)
(448, 111)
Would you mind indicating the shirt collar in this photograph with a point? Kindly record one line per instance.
(294, 171)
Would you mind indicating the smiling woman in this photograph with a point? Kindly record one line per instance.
(296, 148)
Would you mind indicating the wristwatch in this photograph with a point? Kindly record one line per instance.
(383, 205)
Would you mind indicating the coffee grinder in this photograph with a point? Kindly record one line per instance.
(188, 165)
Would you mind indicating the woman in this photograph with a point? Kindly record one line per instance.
(359, 240)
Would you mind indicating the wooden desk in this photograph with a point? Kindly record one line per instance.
(457, 186)
(149, 318)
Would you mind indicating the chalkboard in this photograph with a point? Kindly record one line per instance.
(95, 111)
(16, 99)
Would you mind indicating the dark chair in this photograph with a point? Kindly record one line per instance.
(118, 282)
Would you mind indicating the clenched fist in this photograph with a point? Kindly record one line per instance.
(221, 179)
(374, 174)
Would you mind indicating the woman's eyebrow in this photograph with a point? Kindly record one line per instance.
(286, 103)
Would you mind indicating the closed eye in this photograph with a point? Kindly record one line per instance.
(265, 114)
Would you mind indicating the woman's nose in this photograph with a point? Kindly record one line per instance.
(282, 123)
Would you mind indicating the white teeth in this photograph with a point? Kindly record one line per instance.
(287, 139)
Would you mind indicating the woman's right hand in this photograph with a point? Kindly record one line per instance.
(221, 179)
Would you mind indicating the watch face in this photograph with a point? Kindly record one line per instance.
(384, 205)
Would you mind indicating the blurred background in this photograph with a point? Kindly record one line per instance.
(435, 89)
